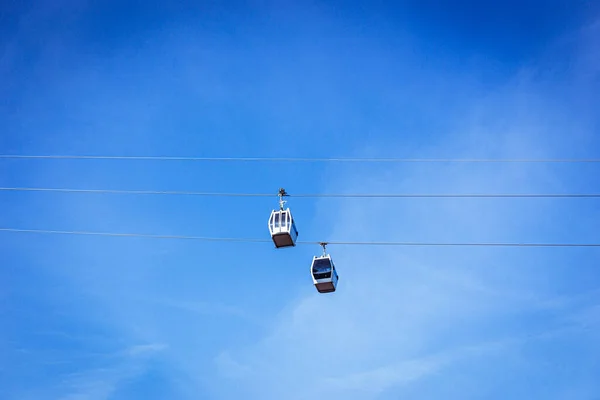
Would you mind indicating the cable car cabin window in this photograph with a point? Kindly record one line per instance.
(322, 269)
(277, 220)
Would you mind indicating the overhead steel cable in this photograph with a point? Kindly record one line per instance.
(141, 192)
(304, 159)
(259, 240)
(338, 195)
(138, 235)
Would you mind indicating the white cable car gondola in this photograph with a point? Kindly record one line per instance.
(323, 272)
(282, 226)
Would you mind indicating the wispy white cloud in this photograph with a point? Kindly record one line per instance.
(231, 368)
(120, 366)
(143, 349)
(208, 308)
(377, 380)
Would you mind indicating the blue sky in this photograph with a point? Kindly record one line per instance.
(127, 318)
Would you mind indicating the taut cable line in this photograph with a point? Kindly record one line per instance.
(329, 242)
(305, 195)
(303, 159)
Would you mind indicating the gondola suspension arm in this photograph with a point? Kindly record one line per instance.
(324, 245)
(281, 194)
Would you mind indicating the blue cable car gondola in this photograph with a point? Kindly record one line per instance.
(324, 275)
(282, 225)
